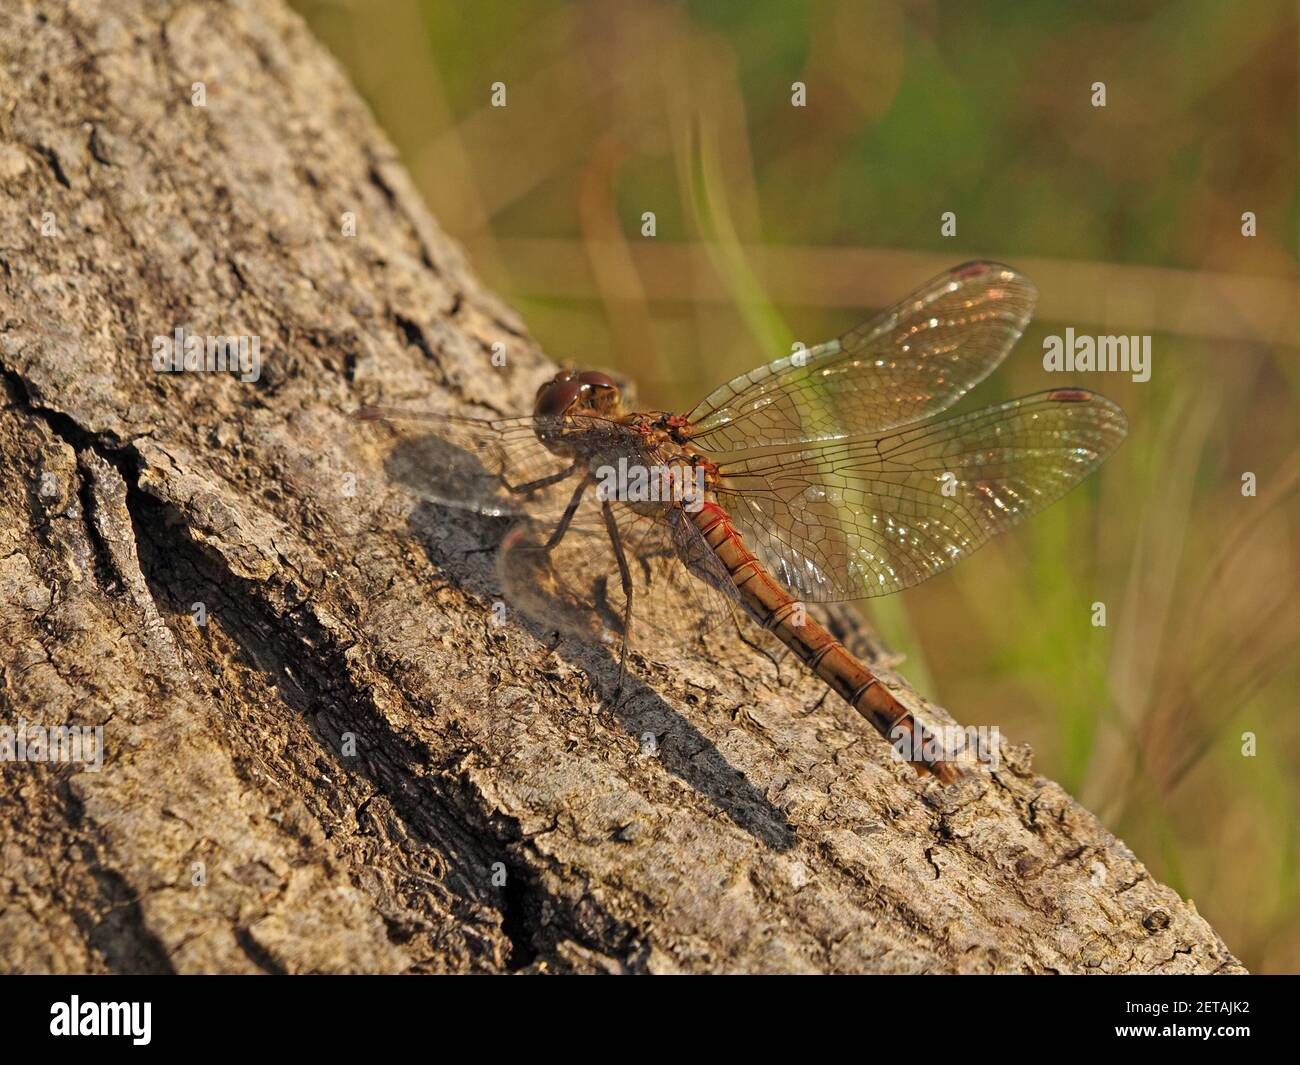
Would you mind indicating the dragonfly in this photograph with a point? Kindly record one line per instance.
(828, 475)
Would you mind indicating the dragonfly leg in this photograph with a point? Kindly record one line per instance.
(567, 517)
(740, 631)
(611, 526)
(541, 482)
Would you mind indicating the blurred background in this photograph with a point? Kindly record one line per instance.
(1176, 722)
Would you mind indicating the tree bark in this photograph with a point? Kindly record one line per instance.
(346, 766)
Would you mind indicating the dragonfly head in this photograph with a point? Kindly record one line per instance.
(570, 391)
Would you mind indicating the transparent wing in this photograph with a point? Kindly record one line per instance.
(909, 363)
(499, 467)
(868, 516)
(496, 466)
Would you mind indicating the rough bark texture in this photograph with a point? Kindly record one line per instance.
(770, 831)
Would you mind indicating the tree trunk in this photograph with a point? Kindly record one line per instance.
(319, 752)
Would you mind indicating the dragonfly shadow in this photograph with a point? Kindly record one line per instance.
(437, 471)
(681, 748)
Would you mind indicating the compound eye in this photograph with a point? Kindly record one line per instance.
(557, 397)
(559, 378)
(596, 379)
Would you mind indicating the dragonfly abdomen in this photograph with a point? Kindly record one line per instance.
(777, 610)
